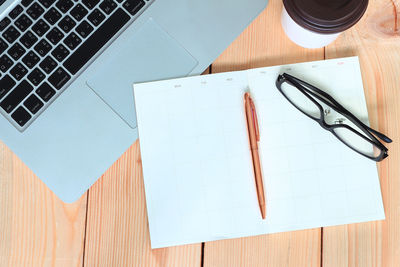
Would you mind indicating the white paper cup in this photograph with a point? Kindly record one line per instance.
(303, 37)
(317, 23)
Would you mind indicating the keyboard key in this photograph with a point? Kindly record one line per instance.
(16, 96)
(35, 11)
(64, 5)
(96, 17)
(54, 36)
(52, 16)
(79, 12)
(36, 77)
(31, 59)
(16, 51)
(60, 52)
(21, 116)
(46, 3)
(18, 71)
(4, 23)
(66, 24)
(59, 78)
(3, 46)
(72, 41)
(90, 3)
(26, 3)
(133, 6)
(23, 22)
(84, 29)
(108, 6)
(11, 34)
(16, 11)
(45, 91)
(96, 41)
(28, 39)
(6, 83)
(43, 47)
(40, 28)
(5, 63)
(48, 65)
(33, 104)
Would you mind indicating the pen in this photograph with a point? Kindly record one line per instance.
(254, 137)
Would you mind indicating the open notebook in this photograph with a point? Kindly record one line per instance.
(197, 165)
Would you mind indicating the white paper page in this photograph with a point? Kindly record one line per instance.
(197, 166)
(195, 156)
(311, 178)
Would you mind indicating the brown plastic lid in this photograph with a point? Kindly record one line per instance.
(326, 16)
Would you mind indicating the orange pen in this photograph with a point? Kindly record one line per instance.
(254, 137)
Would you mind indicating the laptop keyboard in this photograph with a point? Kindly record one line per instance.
(44, 44)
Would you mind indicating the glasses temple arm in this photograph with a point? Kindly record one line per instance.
(348, 113)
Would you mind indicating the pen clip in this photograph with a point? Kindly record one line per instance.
(255, 119)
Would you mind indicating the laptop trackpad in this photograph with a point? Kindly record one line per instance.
(150, 54)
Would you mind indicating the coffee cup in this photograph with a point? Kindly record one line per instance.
(317, 23)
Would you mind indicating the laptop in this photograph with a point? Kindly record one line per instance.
(67, 69)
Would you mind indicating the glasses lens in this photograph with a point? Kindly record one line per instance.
(300, 100)
(357, 142)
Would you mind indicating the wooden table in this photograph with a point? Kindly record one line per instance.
(108, 225)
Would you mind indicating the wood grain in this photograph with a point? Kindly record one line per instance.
(117, 231)
(265, 44)
(376, 40)
(36, 228)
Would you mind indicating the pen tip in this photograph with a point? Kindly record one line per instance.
(263, 213)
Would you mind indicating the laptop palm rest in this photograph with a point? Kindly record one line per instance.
(150, 54)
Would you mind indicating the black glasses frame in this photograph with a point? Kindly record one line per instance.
(311, 91)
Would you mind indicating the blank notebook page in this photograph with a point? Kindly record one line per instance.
(197, 166)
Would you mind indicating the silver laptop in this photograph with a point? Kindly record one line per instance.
(67, 69)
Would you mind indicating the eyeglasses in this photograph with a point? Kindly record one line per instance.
(333, 117)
